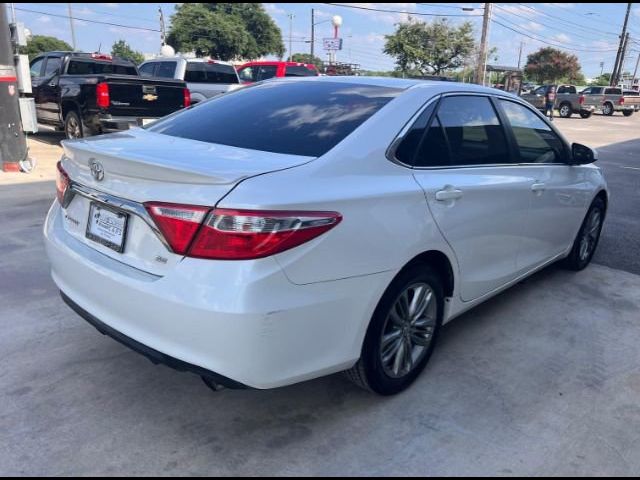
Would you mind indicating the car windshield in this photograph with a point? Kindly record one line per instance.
(290, 117)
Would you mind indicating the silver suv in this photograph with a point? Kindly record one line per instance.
(205, 78)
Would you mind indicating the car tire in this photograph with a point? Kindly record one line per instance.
(586, 242)
(565, 110)
(386, 369)
(585, 114)
(607, 109)
(73, 126)
(627, 113)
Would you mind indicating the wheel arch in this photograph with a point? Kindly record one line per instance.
(441, 263)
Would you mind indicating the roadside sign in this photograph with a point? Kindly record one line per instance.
(332, 44)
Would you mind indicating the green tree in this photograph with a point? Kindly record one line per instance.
(307, 58)
(225, 30)
(430, 48)
(42, 43)
(550, 65)
(603, 79)
(123, 50)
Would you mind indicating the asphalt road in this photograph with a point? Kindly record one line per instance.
(544, 379)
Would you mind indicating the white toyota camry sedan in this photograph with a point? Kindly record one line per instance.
(307, 226)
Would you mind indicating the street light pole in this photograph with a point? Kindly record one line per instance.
(73, 32)
(616, 66)
(482, 55)
(291, 15)
(313, 27)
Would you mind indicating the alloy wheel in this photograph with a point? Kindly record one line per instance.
(408, 330)
(73, 128)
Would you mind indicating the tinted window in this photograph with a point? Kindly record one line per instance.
(248, 74)
(267, 71)
(433, 151)
(147, 69)
(80, 67)
(473, 131)
(166, 70)
(566, 89)
(613, 91)
(299, 118)
(200, 72)
(596, 90)
(407, 149)
(36, 67)
(52, 66)
(299, 71)
(540, 90)
(537, 143)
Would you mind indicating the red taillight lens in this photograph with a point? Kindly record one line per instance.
(62, 182)
(621, 101)
(581, 99)
(177, 223)
(248, 234)
(186, 97)
(102, 94)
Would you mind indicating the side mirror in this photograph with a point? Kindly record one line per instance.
(582, 155)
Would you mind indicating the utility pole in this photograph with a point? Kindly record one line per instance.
(163, 35)
(635, 72)
(482, 55)
(290, 15)
(520, 53)
(313, 30)
(623, 36)
(601, 68)
(73, 32)
(622, 58)
(13, 144)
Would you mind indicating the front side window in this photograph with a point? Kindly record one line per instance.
(474, 133)
(297, 118)
(536, 142)
(540, 90)
(248, 74)
(36, 67)
(52, 66)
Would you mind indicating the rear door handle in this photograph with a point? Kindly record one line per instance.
(538, 187)
(452, 194)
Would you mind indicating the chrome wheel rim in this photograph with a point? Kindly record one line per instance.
(408, 330)
(590, 234)
(73, 128)
(564, 111)
(607, 109)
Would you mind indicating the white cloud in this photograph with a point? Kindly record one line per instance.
(272, 9)
(562, 38)
(532, 26)
(110, 5)
(43, 19)
(560, 5)
(401, 13)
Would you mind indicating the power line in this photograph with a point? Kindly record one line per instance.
(400, 11)
(576, 25)
(88, 20)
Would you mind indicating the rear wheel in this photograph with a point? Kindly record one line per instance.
(585, 114)
(565, 110)
(607, 109)
(627, 113)
(402, 333)
(73, 126)
(584, 246)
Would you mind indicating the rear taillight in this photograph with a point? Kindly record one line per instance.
(102, 95)
(621, 101)
(581, 99)
(248, 234)
(177, 223)
(186, 94)
(62, 183)
(236, 234)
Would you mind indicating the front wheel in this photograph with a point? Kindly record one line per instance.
(565, 110)
(584, 246)
(627, 113)
(402, 333)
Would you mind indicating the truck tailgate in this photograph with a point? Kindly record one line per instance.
(144, 98)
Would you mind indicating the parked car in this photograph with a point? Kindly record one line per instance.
(611, 99)
(307, 226)
(257, 71)
(205, 78)
(568, 100)
(90, 93)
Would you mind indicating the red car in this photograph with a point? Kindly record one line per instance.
(256, 71)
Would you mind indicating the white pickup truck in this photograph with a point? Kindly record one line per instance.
(205, 78)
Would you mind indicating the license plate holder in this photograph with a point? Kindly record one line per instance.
(107, 226)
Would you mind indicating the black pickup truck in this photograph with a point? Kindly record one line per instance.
(91, 93)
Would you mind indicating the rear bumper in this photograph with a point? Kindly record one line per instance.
(115, 124)
(243, 320)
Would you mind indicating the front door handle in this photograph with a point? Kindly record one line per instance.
(538, 187)
(448, 194)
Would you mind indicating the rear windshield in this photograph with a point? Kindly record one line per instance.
(298, 118)
(300, 71)
(81, 67)
(200, 72)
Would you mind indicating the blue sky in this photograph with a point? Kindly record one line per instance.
(588, 30)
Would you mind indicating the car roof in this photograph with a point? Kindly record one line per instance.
(274, 62)
(188, 60)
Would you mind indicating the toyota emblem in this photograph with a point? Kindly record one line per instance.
(97, 171)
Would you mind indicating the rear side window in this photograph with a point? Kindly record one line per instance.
(474, 133)
(567, 89)
(299, 71)
(408, 148)
(81, 67)
(613, 91)
(166, 70)
(536, 142)
(200, 72)
(147, 69)
(266, 71)
(298, 118)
